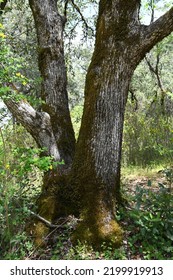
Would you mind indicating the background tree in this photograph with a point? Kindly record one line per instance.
(93, 168)
(148, 121)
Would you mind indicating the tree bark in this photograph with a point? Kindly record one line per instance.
(96, 167)
(121, 43)
(94, 181)
(49, 27)
(38, 124)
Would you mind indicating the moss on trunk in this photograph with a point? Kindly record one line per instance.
(55, 201)
(98, 224)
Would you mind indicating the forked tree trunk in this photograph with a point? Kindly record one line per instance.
(92, 186)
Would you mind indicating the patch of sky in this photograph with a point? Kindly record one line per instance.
(159, 6)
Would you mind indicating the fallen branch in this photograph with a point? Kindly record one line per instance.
(46, 221)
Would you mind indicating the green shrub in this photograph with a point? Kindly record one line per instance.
(152, 223)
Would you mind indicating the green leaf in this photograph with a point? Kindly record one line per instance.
(149, 183)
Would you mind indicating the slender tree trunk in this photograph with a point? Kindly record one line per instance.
(49, 26)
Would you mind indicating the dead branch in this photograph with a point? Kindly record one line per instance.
(76, 7)
(46, 222)
(155, 71)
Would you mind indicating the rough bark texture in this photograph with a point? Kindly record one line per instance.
(98, 155)
(121, 43)
(37, 124)
(49, 26)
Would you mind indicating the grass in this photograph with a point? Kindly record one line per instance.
(132, 172)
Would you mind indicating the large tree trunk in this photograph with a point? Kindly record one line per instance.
(93, 181)
(96, 167)
(121, 43)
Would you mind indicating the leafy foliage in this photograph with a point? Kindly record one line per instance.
(21, 171)
(151, 230)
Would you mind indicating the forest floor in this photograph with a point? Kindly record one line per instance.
(146, 180)
(143, 188)
(146, 220)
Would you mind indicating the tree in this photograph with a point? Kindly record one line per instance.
(89, 181)
(147, 136)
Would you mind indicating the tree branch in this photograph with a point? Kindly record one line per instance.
(38, 124)
(152, 11)
(134, 99)
(155, 71)
(156, 31)
(65, 8)
(46, 222)
(76, 7)
(50, 26)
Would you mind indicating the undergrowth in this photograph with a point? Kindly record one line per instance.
(150, 224)
(146, 220)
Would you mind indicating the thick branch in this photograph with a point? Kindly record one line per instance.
(157, 31)
(36, 123)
